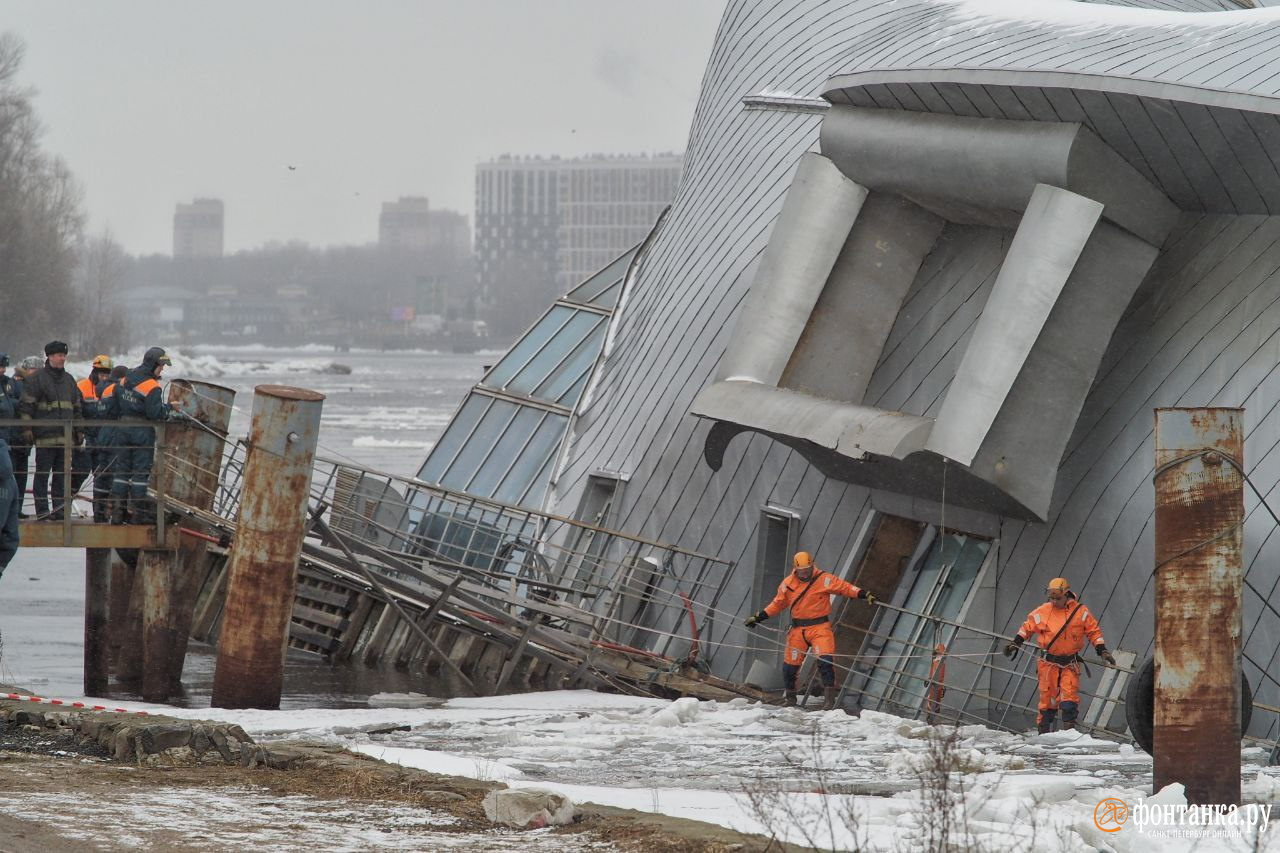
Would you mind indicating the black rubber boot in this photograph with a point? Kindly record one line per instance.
(789, 699)
(1045, 723)
(118, 505)
(829, 695)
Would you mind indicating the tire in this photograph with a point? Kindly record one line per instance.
(1140, 705)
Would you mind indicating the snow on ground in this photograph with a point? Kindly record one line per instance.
(843, 780)
(249, 818)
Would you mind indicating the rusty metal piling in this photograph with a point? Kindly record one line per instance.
(155, 576)
(1199, 515)
(97, 589)
(195, 461)
(268, 541)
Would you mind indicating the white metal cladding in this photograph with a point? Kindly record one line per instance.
(1201, 331)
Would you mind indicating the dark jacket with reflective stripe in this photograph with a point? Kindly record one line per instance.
(49, 395)
(138, 395)
(9, 409)
(104, 391)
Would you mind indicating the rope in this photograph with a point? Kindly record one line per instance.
(22, 697)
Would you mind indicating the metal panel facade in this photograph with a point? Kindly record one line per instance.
(1202, 329)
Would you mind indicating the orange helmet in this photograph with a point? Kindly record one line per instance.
(102, 362)
(1058, 585)
(802, 560)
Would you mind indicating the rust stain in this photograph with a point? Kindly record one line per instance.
(1199, 507)
(262, 572)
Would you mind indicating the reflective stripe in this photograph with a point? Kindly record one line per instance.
(55, 404)
(1036, 618)
(827, 580)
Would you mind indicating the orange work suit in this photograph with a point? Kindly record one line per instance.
(1058, 669)
(811, 626)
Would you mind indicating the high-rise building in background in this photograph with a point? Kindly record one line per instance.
(410, 223)
(405, 224)
(197, 229)
(545, 224)
(606, 205)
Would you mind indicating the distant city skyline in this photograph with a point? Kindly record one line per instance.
(305, 117)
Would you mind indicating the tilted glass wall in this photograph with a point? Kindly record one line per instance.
(503, 441)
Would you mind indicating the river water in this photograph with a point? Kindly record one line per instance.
(385, 414)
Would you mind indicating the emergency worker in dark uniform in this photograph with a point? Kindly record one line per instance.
(91, 459)
(137, 396)
(9, 502)
(50, 395)
(10, 497)
(9, 396)
(19, 450)
(107, 440)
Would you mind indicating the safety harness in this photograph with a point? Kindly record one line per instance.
(1062, 660)
(806, 623)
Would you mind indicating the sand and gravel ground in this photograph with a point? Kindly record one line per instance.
(56, 795)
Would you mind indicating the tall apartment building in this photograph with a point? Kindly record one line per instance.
(606, 206)
(545, 224)
(197, 229)
(410, 223)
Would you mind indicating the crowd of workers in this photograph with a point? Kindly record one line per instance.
(61, 411)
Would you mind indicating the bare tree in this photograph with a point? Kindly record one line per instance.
(40, 219)
(102, 272)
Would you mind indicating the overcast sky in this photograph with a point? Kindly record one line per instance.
(153, 103)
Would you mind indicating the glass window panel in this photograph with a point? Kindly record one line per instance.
(904, 624)
(479, 445)
(524, 349)
(514, 437)
(443, 451)
(537, 492)
(571, 397)
(591, 289)
(569, 371)
(554, 352)
(608, 297)
(544, 444)
(962, 559)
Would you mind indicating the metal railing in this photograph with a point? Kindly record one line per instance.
(624, 590)
(89, 459)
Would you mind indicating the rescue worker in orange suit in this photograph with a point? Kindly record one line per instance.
(93, 458)
(1060, 625)
(807, 591)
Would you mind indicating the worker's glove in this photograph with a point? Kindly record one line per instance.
(1106, 655)
(868, 597)
(756, 618)
(1011, 649)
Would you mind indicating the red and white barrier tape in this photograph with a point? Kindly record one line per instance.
(22, 697)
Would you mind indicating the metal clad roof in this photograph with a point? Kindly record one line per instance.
(1181, 333)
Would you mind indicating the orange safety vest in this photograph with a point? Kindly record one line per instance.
(87, 391)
